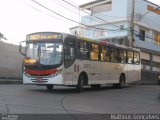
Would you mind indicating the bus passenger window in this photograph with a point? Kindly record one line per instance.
(113, 55)
(118, 56)
(123, 56)
(136, 58)
(103, 54)
(130, 57)
(83, 50)
(94, 52)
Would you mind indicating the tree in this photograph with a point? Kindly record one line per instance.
(2, 37)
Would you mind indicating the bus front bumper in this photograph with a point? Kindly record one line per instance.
(58, 80)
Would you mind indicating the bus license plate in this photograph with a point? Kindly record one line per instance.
(39, 79)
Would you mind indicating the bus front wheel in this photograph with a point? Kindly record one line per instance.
(49, 87)
(79, 87)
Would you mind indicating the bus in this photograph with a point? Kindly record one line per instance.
(52, 58)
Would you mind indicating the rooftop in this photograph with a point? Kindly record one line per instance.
(97, 1)
(90, 3)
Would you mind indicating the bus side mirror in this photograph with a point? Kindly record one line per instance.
(22, 47)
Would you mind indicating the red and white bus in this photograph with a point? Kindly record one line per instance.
(61, 59)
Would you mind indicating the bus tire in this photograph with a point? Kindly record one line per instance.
(158, 82)
(79, 87)
(49, 87)
(122, 81)
(115, 85)
(96, 86)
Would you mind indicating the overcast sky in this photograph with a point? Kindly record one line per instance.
(20, 17)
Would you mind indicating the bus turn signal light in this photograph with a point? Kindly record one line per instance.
(30, 61)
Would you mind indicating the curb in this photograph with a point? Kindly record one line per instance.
(10, 81)
(145, 83)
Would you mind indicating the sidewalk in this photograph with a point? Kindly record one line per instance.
(143, 82)
(10, 81)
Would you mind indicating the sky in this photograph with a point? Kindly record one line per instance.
(21, 17)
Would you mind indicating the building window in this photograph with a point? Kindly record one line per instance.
(142, 35)
(99, 33)
(158, 39)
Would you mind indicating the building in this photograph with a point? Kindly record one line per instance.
(114, 20)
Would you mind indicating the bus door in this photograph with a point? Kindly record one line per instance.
(69, 59)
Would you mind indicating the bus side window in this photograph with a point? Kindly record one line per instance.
(83, 51)
(136, 58)
(94, 54)
(118, 56)
(69, 52)
(108, 54)
(103, 53)
(113, 54)
(123, 56)
(130, 57)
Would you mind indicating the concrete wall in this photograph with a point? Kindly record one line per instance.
(10, 61)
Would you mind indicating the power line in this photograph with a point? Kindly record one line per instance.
(71, 19)
(71, 10)
(37, 9)
(78, 22)
(103, 19)
(91, 14)
(64, 7)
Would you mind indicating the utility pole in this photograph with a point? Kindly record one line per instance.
(131, 40)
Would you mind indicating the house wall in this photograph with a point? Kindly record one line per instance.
(10, 61)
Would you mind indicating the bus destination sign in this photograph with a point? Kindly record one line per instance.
(44, 36)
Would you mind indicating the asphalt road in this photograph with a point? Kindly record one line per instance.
(24, 99)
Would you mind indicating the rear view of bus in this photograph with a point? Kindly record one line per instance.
(43, 59)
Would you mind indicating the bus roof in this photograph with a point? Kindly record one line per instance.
(119, 46)
(59, 35)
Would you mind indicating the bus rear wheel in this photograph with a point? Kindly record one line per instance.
(79, 87)
(49, 87)
(122, 82)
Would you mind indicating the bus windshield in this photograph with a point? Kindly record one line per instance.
(45, 53)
